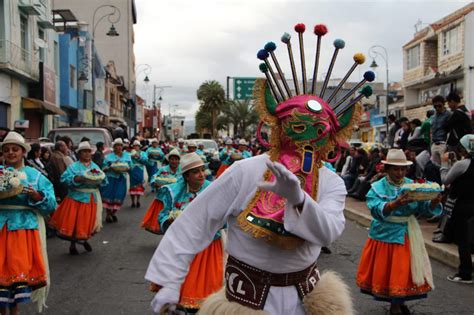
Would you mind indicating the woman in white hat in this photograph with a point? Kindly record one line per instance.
(79, 216)
(394, 265)
(205, 275)
(166, 175)
(116, 165)
(137, 175)
(244, 149)
(155, 156)
(23, 256)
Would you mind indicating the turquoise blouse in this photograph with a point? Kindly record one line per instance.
(246, 154)
(78, 169)
(140, 161)
(17, 219)
(155, 151)
(166, 171)
(113, 158)
(225, 155)
(382, 192)
(176, 197)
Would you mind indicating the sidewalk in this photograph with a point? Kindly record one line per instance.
(446, 253)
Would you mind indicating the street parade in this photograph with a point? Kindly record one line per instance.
(308, 184)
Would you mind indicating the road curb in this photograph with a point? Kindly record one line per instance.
(435, 251)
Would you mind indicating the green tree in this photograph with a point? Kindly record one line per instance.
(204, 121)
(211, 94)
(241, 114)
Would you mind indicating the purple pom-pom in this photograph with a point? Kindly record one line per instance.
(369, 76)
(270, 46)
(262, 54)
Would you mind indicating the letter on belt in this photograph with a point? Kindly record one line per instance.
(249, 286)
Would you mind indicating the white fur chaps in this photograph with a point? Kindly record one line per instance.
(331, 296)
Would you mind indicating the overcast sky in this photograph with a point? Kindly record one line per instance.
(187, 42)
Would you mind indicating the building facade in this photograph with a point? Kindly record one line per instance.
(29, 66)
(440, 59)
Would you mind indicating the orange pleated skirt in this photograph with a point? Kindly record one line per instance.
(150, 220)
(205, 276)
(21, 260)
(384, 272)
(74, 220)
(221, 169)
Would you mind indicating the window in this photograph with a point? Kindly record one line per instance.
(56, 57)
(451, 41)
(24, 35)
(72, 76)
(413, 57)
(41, 49)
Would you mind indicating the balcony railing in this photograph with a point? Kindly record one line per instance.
(18, 61)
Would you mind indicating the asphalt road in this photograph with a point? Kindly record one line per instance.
(109, 280)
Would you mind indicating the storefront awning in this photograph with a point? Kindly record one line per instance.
(45, 107)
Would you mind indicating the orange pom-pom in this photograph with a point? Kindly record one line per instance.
(359, 58)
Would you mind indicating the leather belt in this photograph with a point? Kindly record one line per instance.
(249, 286)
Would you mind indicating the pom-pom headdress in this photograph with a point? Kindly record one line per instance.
(306, 129)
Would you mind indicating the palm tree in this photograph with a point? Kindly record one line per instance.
(241, 114)
(212, 97)
(204, 121)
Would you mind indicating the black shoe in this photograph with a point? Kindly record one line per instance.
(87, 246)
(138, 204)
(132, 206)
(405, 309)
(325, 250)
(114, 218)
(109, 219)
(73, 251)
(440, 238)
(457, 278)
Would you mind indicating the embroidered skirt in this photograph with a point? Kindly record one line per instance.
(137, 179)
(74, 220)
(151, 169)
(150, 220)
(384, 272)
(22, 266)
(114, 193)
(205, 276)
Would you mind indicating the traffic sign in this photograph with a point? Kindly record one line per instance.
(243, 88)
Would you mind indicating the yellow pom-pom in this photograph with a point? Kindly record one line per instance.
(359, 58)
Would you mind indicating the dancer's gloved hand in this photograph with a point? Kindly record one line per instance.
(286, 184)
(164, 297)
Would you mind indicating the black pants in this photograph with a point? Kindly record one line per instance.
(463, 234)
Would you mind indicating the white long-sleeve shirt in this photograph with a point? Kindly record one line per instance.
(320, 223)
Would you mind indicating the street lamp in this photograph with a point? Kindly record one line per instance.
(146, 69)
(158, 118)
(112, 33)
(380, 51)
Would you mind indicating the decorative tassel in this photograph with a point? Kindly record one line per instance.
(338, 44)
(365, 92)
(320, 30)
(263, 67)
(300, 28)
(270, 47)
(359, 59)
(369, 76)
(263, 55)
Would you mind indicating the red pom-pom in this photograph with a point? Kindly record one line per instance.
(320, 29)
(300, 28)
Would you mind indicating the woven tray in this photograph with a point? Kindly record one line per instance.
(165, 180)
(121, 169)
(422, 195)
(11, 193)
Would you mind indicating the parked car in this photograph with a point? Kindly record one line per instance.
(95, 134)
